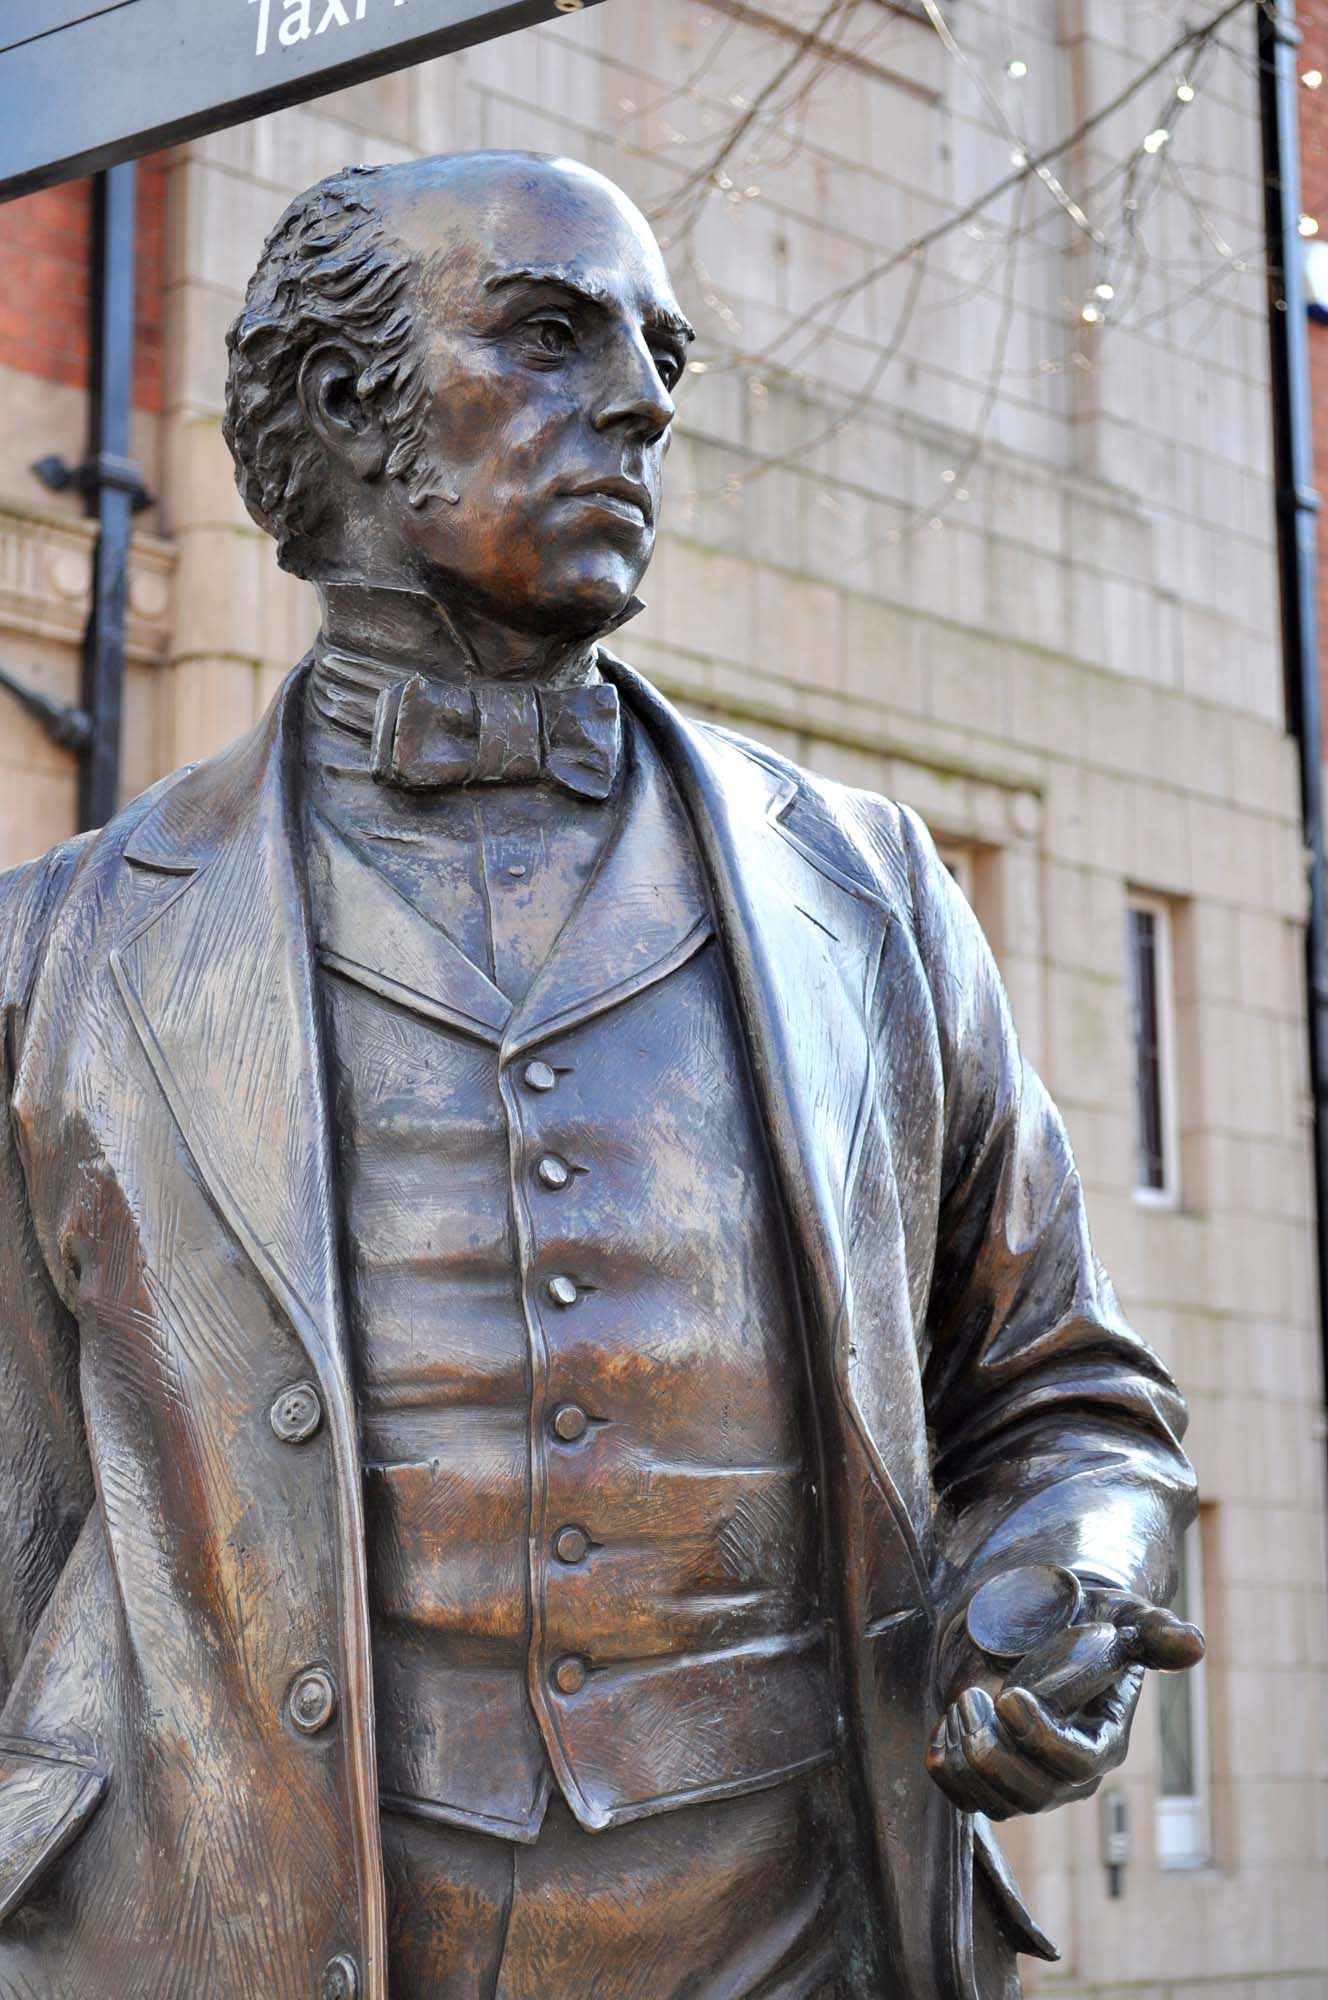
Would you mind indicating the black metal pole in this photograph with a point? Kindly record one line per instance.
(1297, 517)
(111, 487)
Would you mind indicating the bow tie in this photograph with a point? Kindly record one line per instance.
(431, 735)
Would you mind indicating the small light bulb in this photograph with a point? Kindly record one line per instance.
(1104, 291)
(1311, 78)
(949, 477)
(1018, 156)
(1016, 68)
(1156, 140)
(1091, 314)
(1308, 226)
(697, 367)
(1185, 92)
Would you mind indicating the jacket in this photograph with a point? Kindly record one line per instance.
(173, 1570)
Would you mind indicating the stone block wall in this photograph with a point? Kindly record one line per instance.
(1015, 568)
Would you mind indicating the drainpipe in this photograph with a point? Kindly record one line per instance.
(1297, 537)
(113, 491)
(112, 487)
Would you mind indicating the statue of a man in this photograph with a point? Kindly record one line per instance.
(562, 1435)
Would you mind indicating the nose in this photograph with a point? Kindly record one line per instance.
(637, 402)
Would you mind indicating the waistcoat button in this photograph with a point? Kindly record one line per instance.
(569, 1676)
(569, 1423)
(297, 1413)
(313, 1701)
(340, 1980)
(562, 1291)
(570, 1545)
(538, 1076)
(553, 1172)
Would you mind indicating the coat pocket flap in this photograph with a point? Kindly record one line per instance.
(46, 1796)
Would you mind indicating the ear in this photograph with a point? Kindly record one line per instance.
(331, 402)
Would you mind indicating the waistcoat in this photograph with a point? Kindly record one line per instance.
(594, 1551)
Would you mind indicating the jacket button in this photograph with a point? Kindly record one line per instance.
(538, 1076)
(312, 1703)
(340, 1980)
(553, 1172)
(569, 1423)
(297, 1413)
(562, 1291)
(569, 1676)
(571, 1545)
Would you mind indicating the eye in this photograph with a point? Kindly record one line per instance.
(549, 335)
(669, 365)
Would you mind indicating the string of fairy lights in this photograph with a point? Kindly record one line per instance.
(1053, 205)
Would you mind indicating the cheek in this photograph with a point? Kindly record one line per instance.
(466, 415)
(507, 430)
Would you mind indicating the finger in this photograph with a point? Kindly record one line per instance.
(1112, 1718)
(962, 1785)
(1073, 1752)
(998, 1764)
(945, 1763)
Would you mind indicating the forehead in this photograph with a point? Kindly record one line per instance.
(481, 227)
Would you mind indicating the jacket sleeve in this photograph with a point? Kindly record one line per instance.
(1056, 1430)
(45, 1477)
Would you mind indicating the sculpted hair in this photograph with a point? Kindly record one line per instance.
(330, 269)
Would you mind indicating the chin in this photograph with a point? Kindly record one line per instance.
(584, 604)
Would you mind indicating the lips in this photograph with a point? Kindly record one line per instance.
(626, 498)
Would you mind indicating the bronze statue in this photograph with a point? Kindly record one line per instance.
(563, 1437)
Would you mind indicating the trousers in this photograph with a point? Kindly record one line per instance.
(753, 1898)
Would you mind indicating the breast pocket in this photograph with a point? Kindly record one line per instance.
(47, 1797)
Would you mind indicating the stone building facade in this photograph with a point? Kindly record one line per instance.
(951, 539)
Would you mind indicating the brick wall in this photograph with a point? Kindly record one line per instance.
(1313, 17)
(46, 276)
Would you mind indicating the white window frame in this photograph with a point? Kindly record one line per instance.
(1164, 959)
(1183, 1825)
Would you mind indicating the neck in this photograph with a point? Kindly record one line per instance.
(405, 628)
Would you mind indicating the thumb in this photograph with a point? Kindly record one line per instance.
(1167, 1642)
(1158, 1638)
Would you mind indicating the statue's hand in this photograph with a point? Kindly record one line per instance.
(1061, 1721)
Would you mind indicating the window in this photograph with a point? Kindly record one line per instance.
(961, 861)
(1182, 1806)
(1152, 1031)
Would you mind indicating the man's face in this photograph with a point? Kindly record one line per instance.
(551, 342)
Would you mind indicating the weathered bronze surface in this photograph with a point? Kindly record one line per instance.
(536, 1288)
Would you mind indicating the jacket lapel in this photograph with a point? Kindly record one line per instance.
(217, 978)
(804, 936)
(804, 942)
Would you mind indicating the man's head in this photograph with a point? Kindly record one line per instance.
(457, 374)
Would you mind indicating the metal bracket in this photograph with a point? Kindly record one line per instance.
(70, 727)
(93, 476)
